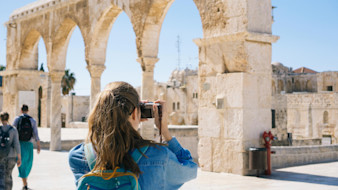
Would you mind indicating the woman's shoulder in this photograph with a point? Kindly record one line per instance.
(157, 152)
(76, 153)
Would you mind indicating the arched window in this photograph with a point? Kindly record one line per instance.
(273, 87)
(280, 86)
(326, 117)
(309, 86)
(297, 86)
(289, 87)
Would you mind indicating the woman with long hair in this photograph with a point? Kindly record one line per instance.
(113, 124)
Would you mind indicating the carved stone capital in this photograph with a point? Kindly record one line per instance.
(148, 63)
(56, 76)
(96, 70)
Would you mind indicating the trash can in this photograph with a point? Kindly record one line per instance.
(257, 159)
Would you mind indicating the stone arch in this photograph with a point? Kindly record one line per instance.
(326, 117)
(99, 38)
(273, 87)
(29, 51)
(297, 86)
(309, 86)
(60, 43)
(289, 87)
(280, 86)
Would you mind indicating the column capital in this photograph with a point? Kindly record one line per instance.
(56, 76)
(96, 70)
(148, 63)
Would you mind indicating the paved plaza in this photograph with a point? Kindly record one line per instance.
(51, 172)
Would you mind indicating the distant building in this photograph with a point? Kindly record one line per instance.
(304, 105)
(181, 95)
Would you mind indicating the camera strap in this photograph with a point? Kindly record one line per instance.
(160, 127)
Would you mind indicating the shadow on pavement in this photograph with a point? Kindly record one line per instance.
(302, 177)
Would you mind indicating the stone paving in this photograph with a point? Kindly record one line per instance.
(51, 172)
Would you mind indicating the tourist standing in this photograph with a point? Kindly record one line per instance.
(27, 130)
(9, 152)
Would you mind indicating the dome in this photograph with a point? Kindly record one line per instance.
(277, 64)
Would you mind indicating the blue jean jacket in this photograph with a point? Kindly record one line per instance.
(167, 167)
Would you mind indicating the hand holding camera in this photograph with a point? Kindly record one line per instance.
(157, 110)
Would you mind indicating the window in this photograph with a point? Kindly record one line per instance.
(178, 105)
(326, 117)
(273, 112)
(329, 88)
(196, 95)
(173, 106)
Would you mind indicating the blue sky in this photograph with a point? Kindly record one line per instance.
(308, 31)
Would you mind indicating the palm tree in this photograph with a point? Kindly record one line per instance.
(68, 82)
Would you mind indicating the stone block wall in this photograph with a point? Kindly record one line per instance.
(293, 156)
(187, 136)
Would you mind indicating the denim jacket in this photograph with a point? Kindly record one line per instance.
(167, 167)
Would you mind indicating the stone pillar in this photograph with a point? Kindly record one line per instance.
(95, 74)
(147, 92)
(55, 110)
(234, 99)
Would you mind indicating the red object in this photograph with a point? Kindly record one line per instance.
(268, 137)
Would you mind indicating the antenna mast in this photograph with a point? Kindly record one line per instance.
(178, 45)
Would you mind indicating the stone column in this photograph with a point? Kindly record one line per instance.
(95, 71)
(147, 92)
(234, 99)
(55, 110)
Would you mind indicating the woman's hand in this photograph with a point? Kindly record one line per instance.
(164, 122)
(143, 119)
(18, 162)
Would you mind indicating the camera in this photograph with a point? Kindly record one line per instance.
(147, 109)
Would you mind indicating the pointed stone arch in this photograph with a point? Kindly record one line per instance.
(280, 86)
(309, 86)
(297, 86)
(29, 51)
(96, 51)
(273, 87)
(60, 41)
(326, 117)
(289, 87)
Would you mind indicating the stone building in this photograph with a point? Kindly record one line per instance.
(181, 95)
(304, 105)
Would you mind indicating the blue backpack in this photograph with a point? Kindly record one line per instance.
(109, 179)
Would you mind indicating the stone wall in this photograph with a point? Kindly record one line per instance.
(292, 156)
(76, 109)
(187, 136)
(313, 115)
(279, 105)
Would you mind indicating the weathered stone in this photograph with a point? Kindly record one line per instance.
(205, 153)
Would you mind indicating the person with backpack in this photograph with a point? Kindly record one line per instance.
(28, 131)
(9, 152)
(115, 155)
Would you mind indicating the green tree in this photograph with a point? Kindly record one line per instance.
(2, 68)
(68, 82)
(41, 68)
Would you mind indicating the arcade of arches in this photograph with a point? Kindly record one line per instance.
(234, 65)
